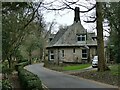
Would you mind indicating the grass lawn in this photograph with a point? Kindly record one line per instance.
(76, 67)
(115, 69)
(67, 67)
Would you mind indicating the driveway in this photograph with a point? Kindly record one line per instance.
(54, 79)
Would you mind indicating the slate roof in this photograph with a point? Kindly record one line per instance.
(57, 37)
(67, 37)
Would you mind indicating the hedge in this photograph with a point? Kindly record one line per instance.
(6, 85)
(28, 80)
(22, 64)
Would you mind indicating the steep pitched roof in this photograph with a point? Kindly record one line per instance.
(57, 37)
(67, 37)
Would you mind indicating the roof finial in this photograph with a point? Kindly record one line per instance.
(77, 16)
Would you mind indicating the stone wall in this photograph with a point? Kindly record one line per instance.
(70, 56)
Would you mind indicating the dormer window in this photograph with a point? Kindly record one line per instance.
(81, 38)
(50, 39)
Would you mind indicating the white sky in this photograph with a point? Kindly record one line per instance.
(66, 17)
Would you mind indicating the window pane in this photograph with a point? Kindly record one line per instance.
(83, 38)
(84, 51)
(78, 38)
(84, 55)
(51, 51)
(62, 53)
(52, 56)
(74, 50)
(50, 39)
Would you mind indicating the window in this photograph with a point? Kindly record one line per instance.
(50, 39)
(62, 53)
(94, 38)
(84, 53)
(74, 50)
(51, 55)
(81, 38)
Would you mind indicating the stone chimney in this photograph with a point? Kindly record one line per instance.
(77, 16)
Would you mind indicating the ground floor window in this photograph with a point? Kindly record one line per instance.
(84, 53)
(73, 50)
(62, 53)
(51, 55)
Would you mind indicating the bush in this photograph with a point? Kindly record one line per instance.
(22, 60)
(6, 85)
(28, 80)
(22, 64)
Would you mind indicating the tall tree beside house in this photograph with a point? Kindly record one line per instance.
(112, 14)
(101, 58)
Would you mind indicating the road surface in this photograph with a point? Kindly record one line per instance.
(54, 79)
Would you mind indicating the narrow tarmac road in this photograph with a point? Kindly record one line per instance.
(54, 79)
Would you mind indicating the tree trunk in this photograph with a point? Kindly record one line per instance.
(101, 58)
(43, 54)
(9, 61)
(30, 57)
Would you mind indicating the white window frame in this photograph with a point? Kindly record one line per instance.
(81, 37)
(84, 53)
(52, 53)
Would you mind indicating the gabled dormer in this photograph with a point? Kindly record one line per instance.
(81, 38)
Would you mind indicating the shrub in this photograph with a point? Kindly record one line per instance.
(22, 64)
(22, 60)
(6, 85)
(28, 80)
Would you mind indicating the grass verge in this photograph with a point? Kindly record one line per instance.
(67, 67)
(76, 67)
(110, 77)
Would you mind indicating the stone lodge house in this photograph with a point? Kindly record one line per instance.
(72, 45)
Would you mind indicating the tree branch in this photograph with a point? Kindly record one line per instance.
(92, 21)
(16, 43)
(68, 6)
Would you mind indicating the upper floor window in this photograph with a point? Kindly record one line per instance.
(81, 37)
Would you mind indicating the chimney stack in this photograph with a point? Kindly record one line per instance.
(77, 16)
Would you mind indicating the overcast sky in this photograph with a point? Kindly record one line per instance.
(66, 17)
